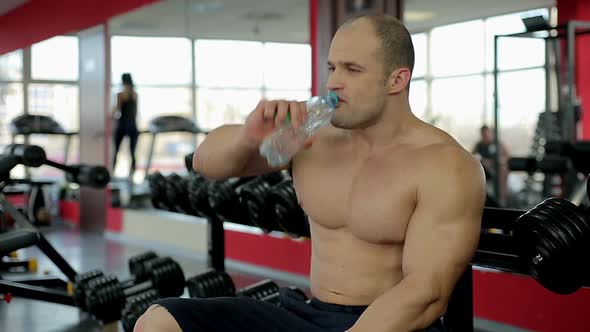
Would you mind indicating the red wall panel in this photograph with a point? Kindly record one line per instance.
(38, 20)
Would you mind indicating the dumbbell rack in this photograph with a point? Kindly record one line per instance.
(496, 250)
(216, 244)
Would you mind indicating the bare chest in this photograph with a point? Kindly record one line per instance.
(373, 199)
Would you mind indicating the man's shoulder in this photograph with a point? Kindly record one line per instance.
(440, 154)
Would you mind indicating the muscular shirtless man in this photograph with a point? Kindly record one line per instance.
(394, 203)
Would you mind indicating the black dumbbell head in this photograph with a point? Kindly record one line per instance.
(105, 298)
(166, 276)
(259, 290)
(211, 284)
(80, 285)
(136, 306)
(138, 267)
(552, 239)
(157, 183)
(289, 215)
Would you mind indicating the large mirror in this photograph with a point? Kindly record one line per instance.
(208, 61)
(453, 84)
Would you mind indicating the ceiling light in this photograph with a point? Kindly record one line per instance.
(417, 15)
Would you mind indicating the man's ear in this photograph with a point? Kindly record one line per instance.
(398, 80)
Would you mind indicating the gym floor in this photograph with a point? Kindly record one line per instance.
(87, 251)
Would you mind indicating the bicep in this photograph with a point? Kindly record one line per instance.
(443, 232)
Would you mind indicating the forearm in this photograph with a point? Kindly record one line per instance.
(410, 306)
(224, 153)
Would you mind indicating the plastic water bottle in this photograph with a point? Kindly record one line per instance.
(282, 144)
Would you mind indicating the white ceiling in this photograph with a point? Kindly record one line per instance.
(287, 20)
(270, 20)
(432, 13)
(8, 5)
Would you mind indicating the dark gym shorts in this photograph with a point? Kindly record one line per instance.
(295, 313)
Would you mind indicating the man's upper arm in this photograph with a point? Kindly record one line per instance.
(443, 232)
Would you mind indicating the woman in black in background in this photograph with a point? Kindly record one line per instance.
(125, 116)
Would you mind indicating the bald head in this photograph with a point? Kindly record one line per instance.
(396, 49)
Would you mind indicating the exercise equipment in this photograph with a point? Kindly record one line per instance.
(577, 152)
(13, 265)
(198, 195)
(260, 291)
(177, 193)
(215, 283)
(212, 283)
(138, 267)
(188, 162)
(50, 289)
(225, 202)
(549, 242)
(289, 215)
(36, 201)
(168, 124)
(31, 124)
(548, 165)
(106, 296)
(136, 306)
(158, 196)
(553, 243)
(206, 285)
(254, 198)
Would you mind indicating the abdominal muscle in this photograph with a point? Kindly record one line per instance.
(347, 270)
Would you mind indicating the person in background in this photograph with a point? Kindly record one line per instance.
(485, 149)
(125, 114)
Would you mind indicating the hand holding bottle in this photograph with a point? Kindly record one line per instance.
(286, 140)
(272, 114)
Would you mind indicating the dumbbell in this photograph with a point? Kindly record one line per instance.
(224, 200)
(553, 243)
(261, 290)
(80, 283)
(198, 195)
(207, 285)
(211, 284)
(136, 306)
(254, 199)
(106, 296)
(219, 284)
(88, 175)
(138, 268)
(177, 193)
(188, 162)
(289, 215)
(157, 184)
(275, 298)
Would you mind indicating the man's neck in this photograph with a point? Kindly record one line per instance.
(396, 121)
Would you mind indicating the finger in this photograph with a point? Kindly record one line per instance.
(295, 114)
(282, 109)
(269, 110)
(303, 111)
(259, 110)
